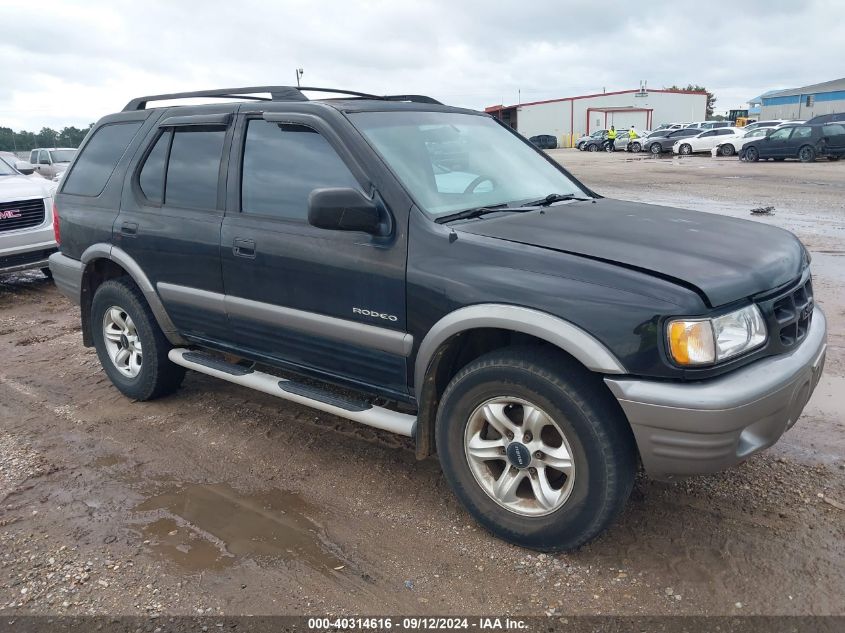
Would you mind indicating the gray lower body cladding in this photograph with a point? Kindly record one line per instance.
(701, 427)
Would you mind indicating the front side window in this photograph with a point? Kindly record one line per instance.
(283, 163)
(449, 161)
(99, 157)
(194, 166)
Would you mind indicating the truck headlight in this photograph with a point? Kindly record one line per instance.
(708, 341)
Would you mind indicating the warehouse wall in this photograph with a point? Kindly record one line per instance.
(795, 106)
(568, 119)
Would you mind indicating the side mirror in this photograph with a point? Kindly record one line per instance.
(25, 167)
(343, 209)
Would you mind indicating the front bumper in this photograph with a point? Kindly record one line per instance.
(701, 427)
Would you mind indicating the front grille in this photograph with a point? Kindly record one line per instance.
(23, 214)
(789, 314)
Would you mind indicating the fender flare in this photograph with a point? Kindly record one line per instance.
(583, 346)
(125, 261)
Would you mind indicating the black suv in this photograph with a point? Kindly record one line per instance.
(804, 141)
(424, 269)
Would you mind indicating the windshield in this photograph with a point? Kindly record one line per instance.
(62, 155)
(6, 169)
(451, 162)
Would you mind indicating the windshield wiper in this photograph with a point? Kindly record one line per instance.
(478, 211)
(551, 199)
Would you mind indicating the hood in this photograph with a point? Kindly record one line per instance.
(14, 188)
(723, 258)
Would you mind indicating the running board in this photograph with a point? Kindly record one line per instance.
(313, 397)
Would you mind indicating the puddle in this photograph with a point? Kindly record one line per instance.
(213, 526)
(107, 460)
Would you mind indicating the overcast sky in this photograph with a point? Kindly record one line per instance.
(68, 63)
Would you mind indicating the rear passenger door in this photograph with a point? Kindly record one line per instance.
(170, 218)
(328, 303)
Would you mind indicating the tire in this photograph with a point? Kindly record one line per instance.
(806, 154)
(752, 154)
(143, 371)
(685, 149)
(636, 147)
(655, 149)
(727, 150)
(47, 272)
(582, 421)
(593, 147)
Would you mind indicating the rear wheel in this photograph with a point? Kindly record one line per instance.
(727, 150)
(131, 347)
(535, 448)
(685, 149)
(806, 154)
(752, 155)
(655, 148)
(593, 147)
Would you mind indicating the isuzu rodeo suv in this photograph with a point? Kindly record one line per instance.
(423, 269)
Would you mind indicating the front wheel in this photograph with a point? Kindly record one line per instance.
(636, 147)
(655, 148)
(131, 346)
(593, 148)
(752, 155)
(685, 149)
(535, 448)
(806, 154)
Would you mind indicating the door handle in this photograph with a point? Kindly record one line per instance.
(129, 228)
(244, 248)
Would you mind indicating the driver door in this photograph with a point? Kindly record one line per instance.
(777, 144)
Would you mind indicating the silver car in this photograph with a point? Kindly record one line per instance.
(26, 221)
(51, 162)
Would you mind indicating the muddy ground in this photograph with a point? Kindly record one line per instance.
(219, 500)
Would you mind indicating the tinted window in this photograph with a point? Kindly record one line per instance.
(152, 173)
(781, 135)
(706, 134)
(283, 164)
(802, 132)
(193, 167)
(99, 157)
(828, 130)
(725, 133)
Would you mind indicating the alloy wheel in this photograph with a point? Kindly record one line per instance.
(122, 342)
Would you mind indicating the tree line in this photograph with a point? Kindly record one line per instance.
(11, 141)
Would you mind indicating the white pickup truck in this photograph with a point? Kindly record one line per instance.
(27, 237)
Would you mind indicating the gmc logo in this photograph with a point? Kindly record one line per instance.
(9, 214)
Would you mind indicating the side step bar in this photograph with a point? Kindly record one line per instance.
(357, 410)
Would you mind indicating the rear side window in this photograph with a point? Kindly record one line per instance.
(802, 132)
(283, 164)
(99, 157)
(193, 168)
(152, 174)
(833, 129)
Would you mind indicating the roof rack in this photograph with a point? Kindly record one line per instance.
(277, 93)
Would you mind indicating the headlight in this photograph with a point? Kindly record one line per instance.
(708, 341)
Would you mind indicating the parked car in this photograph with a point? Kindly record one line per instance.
(837, 117)
(659, 144)
(544, 141)
(595, 141)
(713, 125)
(26, 221)
(50, 162)
(769, 123)
(703, 142)
(682, 341)
(636, 144)
(670, 126)
(804, 142)
(730, 145)
(598, 134)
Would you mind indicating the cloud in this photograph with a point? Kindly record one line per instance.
(69, 63)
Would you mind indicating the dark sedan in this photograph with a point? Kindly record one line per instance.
(804, 142)
(544, 141)
(660, 144)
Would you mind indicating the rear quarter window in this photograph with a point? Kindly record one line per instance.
(833, 129)
(99, 157)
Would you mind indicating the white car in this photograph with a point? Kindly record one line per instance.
(730, 145)
(769, 123)
(26, 221)
(703, 142)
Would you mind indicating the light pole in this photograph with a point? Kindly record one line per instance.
(299, 73)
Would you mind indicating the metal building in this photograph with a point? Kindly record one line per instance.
(570, 117)
(805, 103)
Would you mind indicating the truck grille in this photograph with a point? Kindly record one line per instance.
(22, 214)
(789, 314)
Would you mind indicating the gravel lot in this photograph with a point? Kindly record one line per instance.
(218, 500)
